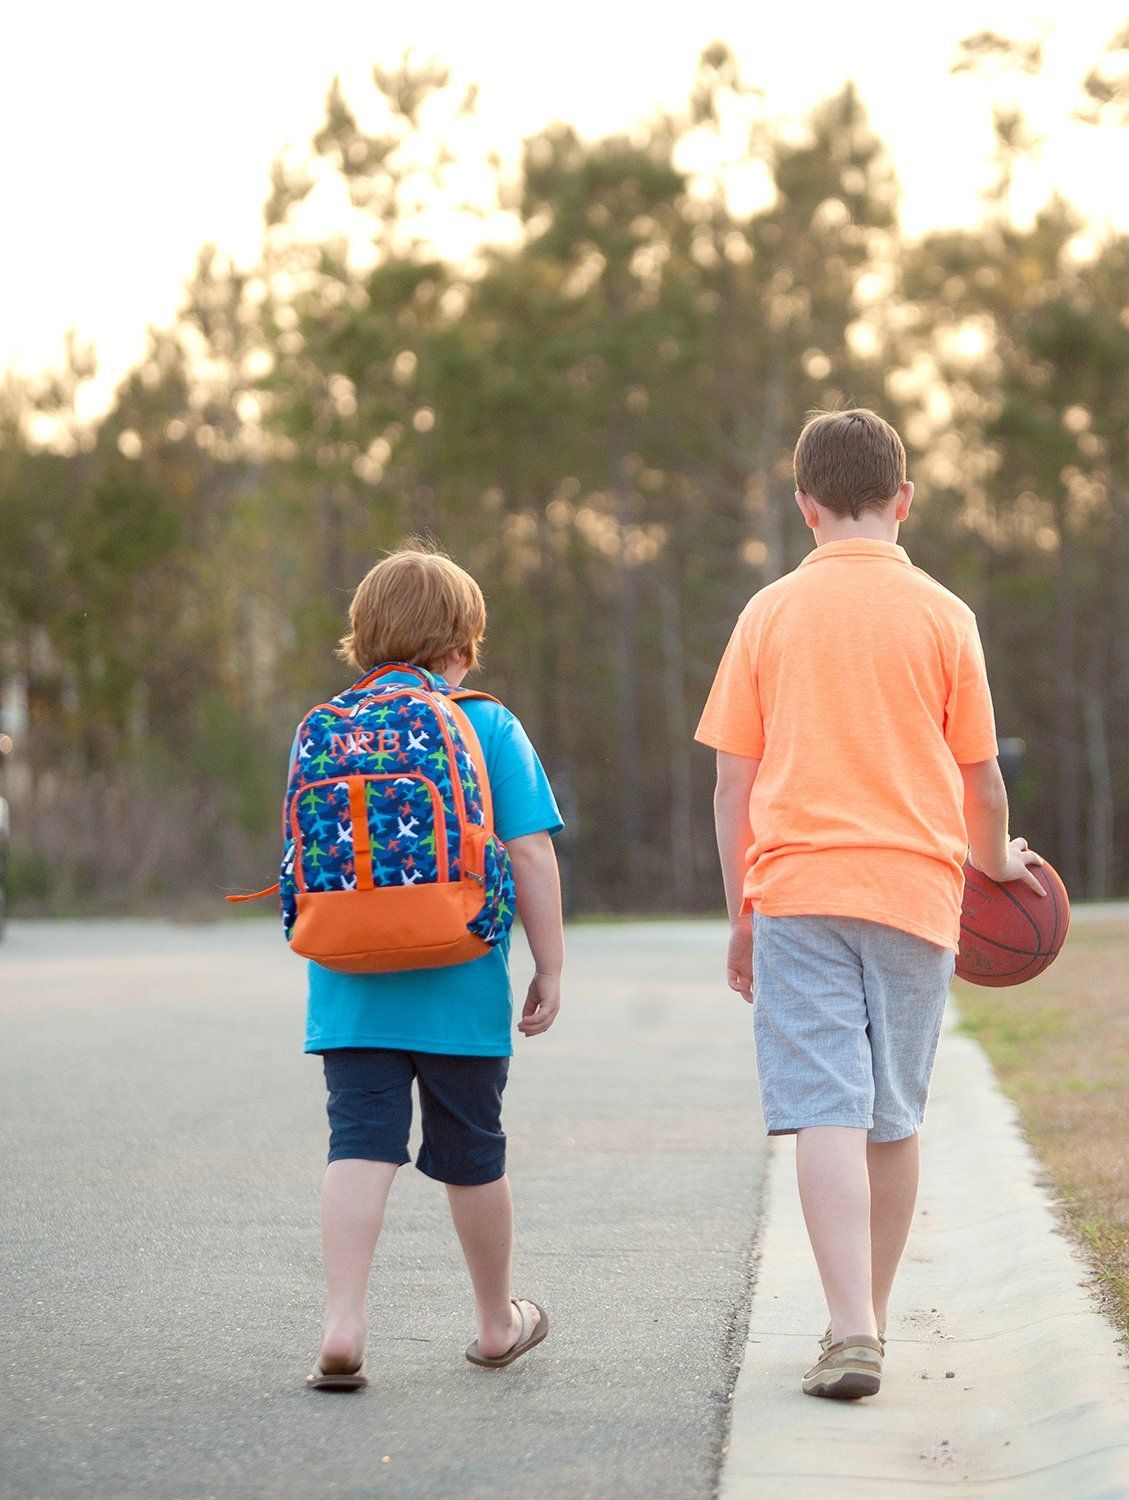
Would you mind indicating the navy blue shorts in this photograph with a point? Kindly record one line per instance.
(370, 1111)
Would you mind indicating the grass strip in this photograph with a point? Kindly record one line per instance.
(1060, 1047)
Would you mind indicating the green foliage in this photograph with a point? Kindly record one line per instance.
(30, 879)
(227, 754)
(596, 416)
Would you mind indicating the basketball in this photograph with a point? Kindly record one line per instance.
(1008, 934)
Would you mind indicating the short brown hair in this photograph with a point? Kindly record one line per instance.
(416, 606)
(850, 461)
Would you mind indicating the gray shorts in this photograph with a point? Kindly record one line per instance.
(846, 1018)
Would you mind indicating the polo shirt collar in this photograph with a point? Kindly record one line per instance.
(860, 546)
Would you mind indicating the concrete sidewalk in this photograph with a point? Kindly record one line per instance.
(1002, 1378)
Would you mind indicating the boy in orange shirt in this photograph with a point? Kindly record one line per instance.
(856, 768)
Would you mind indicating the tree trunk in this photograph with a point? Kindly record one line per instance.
(1068, 755)
(333, 540)
(547, 686)
(627, 679)
(775, 564)
(1119, 593)
(681, 828)
(1117, 701)
(1100, 811)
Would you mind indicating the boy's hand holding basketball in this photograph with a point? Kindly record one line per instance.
(985, 816)
(739, 960)
(1016, 866)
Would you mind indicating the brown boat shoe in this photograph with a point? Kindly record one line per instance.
(847, 1369)
(825, 1341)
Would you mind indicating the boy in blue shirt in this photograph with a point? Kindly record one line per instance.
(447, 1028)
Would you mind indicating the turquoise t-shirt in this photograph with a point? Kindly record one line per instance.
(463, 1010)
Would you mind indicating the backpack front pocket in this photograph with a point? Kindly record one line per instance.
(368, 832)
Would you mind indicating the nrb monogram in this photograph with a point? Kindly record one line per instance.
(366, 742)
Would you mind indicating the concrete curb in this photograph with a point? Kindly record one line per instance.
(1038, 1400)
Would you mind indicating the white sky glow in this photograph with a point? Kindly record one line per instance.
(132, 133)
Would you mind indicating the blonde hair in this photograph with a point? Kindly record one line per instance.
(414, 606)
(850, 461)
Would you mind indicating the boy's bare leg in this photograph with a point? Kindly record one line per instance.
(484, 1220)
(353, 1196)
(835, 1193)
(894, 1167)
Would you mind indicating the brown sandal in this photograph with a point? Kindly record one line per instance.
(531, 1335)
(337, 1380)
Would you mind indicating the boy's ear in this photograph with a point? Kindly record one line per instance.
(905, 500)
(809, 508)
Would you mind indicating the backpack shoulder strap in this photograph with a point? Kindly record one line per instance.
(253, 895)
(464, 693)
(474, 746)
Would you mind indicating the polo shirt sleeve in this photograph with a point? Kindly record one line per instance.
(523, 798)
(970, 725)
(732, 719)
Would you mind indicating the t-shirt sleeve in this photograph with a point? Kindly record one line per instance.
(732, 719)
(970, 724)
(523, 799)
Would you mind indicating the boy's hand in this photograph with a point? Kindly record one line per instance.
(1016, 866)
(739, 961)
(541, 1004)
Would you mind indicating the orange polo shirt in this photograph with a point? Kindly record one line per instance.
(858, 682)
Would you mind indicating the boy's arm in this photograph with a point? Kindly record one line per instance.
(538, 886)
(735, 777)
(985, 817)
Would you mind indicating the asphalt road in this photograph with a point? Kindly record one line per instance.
(163, 1139)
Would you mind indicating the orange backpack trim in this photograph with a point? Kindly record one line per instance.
(474, 746)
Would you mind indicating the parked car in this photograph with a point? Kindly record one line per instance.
(4, 827)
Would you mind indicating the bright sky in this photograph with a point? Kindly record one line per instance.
(133, 132)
